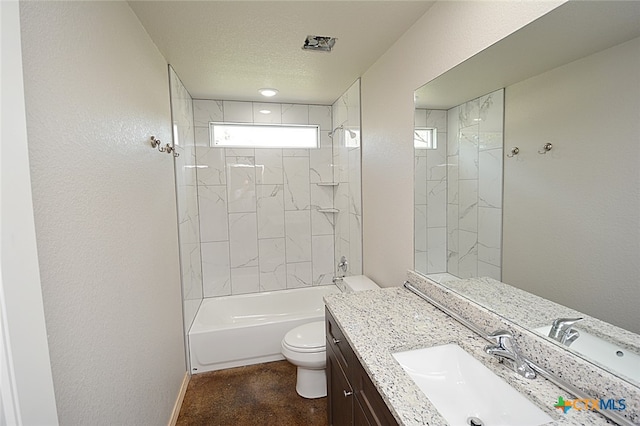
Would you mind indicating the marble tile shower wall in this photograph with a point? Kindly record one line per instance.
(474, 210)
(260, 224)
(347, 173)
(430, 196)
(187, 201)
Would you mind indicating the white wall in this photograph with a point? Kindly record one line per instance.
(26, 384)
(104, 202)
(571, 228)
(446, 35)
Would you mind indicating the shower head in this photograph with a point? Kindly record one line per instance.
(352, 134)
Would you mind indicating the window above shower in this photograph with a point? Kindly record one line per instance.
(235, 135)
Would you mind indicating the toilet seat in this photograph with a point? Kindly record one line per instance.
(306, 338)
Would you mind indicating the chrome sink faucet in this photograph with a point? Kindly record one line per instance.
(562, 330)
(506, 348)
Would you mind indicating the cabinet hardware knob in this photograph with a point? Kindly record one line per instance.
(347, 393)
(336, 341)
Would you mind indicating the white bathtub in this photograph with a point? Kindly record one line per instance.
(232, 331)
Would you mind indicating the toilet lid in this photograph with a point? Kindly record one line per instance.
(307, 337)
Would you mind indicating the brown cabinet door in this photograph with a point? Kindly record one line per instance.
(373, 406)
(359, 416)
(339, 391)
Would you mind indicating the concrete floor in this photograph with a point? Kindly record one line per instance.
(262, 394)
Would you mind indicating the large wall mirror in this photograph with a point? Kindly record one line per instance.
(527, 169)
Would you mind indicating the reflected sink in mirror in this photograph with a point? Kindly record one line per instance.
(606, 353)
(464, 391)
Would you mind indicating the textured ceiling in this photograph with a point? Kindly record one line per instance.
(230, 49)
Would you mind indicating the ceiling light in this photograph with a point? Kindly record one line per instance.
(264, 111)
(319, 43)
(268, 92)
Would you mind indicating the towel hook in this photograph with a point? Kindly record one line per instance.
(546, 148)
(155, 143)
(514, 151)
(171, 149)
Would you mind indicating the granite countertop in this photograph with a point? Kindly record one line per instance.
(380, 322)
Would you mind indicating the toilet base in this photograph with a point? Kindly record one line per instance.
(311, 383)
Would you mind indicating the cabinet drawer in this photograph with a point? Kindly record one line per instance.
(339, 344)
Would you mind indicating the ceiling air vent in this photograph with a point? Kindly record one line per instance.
(319, 43)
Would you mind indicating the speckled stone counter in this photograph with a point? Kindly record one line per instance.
(378, 323)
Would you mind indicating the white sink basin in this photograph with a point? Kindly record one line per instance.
(606, 353)
(464, 390)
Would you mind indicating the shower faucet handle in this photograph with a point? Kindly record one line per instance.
(343, 264)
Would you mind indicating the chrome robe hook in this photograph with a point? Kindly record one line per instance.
(514, 151)
(546, 148)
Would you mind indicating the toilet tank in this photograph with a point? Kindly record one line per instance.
(357, 283)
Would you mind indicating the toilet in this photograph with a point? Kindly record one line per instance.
(305, 345)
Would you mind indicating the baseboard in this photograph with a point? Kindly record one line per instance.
(176, 408)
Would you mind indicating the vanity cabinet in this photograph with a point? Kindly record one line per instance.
(353, 398)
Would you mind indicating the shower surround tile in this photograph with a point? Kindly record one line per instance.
(296, 183)
(437, 250)
(237, 112)
(436, 204)
(243, 240)
(320, 165)
(489, 235)
(270, 211)
(321, 197)
(273, 117)
(322, 260)
(269, 169)
(245, 280)
(210, 165)
(299, 275)
(322, 223)
(295, 114)
(212, 201)
(241, 189)
(490, 179)
(273, 267)
(205, 111)
(320, 115)
(202, 136)
(298, 235)
(261, 228)
(216, 270)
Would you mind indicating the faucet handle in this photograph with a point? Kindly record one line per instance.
(500, 336)
(566, 322)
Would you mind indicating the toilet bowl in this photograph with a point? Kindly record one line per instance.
(305, 346)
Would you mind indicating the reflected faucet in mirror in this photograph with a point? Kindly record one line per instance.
(562, 330)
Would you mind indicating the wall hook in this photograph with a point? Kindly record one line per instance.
(514, 151)
(546, 148)
(171, 149)
(155, 143)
